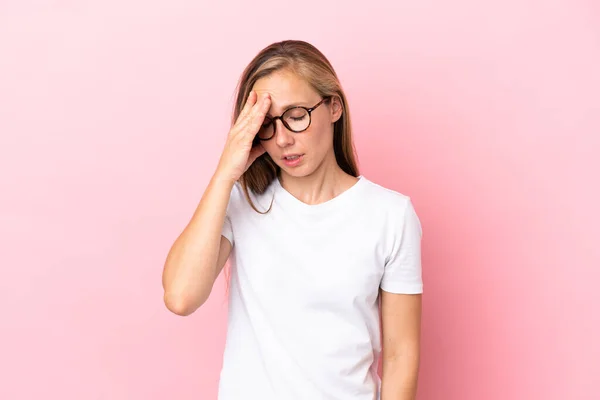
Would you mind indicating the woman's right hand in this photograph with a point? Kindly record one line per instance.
(239, 153)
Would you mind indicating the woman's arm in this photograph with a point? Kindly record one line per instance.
(401, 327)
(199, 253)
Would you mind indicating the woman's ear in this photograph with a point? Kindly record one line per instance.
(336, 108)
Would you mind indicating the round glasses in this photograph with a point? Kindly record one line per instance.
(296, 119)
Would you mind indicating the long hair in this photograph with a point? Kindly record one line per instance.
(309, 64)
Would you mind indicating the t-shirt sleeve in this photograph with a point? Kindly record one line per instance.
(227, 229)
(402, 272)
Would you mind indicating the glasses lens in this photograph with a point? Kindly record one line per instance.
(266, 129)
(297, 119)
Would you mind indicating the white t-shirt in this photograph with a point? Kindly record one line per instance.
(303, 317)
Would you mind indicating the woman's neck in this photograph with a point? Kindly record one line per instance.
(322, 185)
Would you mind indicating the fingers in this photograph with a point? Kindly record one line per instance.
(254, 101)
(250, 101)
(253, 104)
(257, 115)
(252, 121)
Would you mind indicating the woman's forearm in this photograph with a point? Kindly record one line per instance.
(190, 268)
(399, 379)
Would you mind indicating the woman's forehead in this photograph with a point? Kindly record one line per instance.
(286, 90)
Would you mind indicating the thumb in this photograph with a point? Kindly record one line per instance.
(256, 152)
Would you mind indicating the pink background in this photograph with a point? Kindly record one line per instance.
(112, 118)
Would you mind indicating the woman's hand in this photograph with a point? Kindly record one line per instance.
(239, 153)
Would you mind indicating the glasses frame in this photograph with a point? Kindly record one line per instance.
(280, 117)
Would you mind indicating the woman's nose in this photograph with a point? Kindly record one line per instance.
(283, 136)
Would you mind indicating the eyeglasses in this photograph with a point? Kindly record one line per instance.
(296, 119)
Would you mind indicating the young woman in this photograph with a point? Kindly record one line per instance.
(325, 264)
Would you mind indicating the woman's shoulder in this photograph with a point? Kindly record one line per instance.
(385, 196)
(395, 205)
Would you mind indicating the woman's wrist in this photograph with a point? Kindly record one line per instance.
(223, 178)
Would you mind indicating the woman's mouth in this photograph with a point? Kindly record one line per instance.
(292, 160)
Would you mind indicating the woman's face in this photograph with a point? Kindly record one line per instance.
(315, 144)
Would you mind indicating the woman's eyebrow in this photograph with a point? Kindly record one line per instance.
(286, 106)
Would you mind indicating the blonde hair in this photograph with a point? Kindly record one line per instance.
(308, 63)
